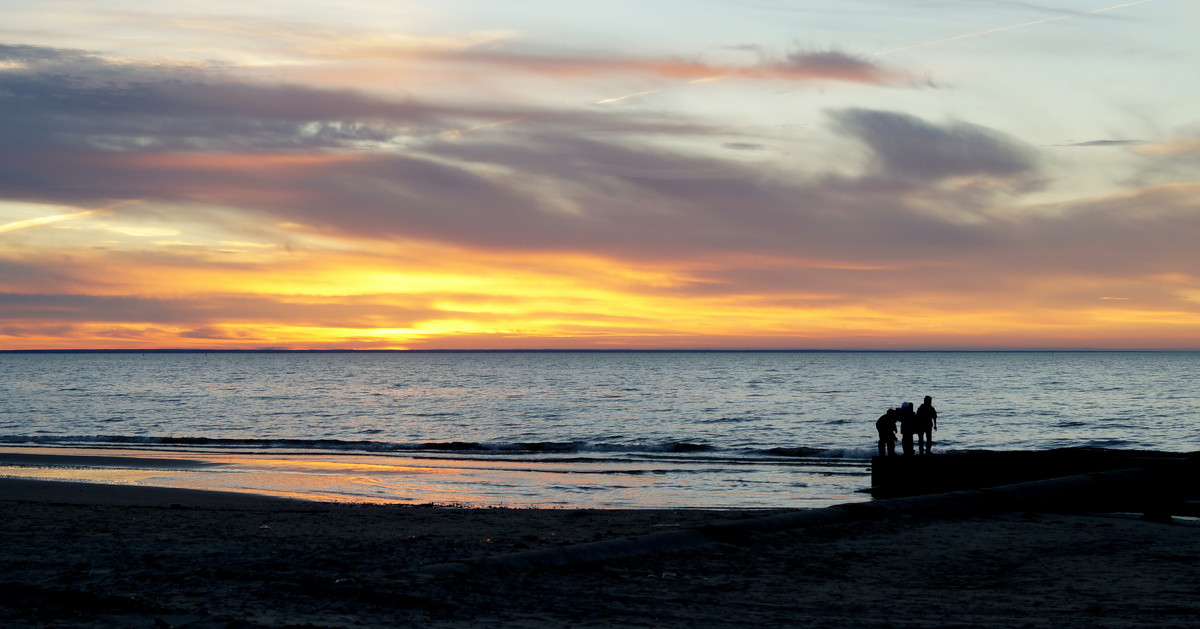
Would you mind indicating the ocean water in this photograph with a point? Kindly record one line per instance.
(566, 429)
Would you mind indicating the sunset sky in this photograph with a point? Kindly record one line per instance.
(891, 174)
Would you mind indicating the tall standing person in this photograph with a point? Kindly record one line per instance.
(927, 423)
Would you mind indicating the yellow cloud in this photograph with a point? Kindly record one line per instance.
(142, 231)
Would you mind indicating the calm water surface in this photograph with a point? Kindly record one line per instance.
(719, 429)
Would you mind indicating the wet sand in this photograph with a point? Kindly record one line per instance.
(74, 555)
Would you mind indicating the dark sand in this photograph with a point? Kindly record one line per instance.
(111, 556)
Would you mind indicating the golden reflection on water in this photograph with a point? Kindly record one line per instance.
(81, 474)
(376, 480)
(315, 466)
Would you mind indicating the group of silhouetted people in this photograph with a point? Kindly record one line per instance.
(921, 422)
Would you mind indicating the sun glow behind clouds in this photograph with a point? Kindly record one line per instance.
(381, 176)
(301, 300)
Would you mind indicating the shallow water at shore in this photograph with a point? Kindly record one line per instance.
(478, 482)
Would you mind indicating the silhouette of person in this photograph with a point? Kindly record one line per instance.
(927, 416)
(908, 426)
(886, 425)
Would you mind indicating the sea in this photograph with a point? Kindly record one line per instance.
(561, 429)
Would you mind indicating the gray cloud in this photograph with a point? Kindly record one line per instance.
(745, 146)
(27, 274)
(202, 310)
(1130, 235)
(797, 66)
(68, 98)
(907, 147)
(72, 124)
(1105, 143)
(833, 64)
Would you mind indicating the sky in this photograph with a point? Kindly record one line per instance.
(600, 174)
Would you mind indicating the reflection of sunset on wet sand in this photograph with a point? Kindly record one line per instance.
(479, 481)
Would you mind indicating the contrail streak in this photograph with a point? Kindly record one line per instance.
(58, 218)
(1005, 28)
(625, 97)
(44, 220)
(617, 99)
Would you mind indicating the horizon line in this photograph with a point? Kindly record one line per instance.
(270, 350)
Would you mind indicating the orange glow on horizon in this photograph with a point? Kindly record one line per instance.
(426, 296)
(422, 295)
(714, 324)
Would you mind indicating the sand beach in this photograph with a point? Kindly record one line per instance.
(86, 555)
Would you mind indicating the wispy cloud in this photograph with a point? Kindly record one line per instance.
(1105, 143)
(796, 66)
(43, 220)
